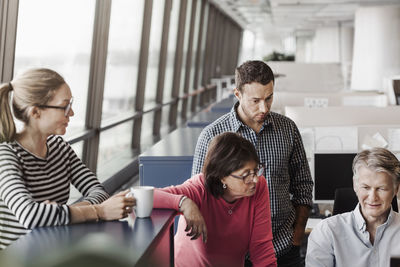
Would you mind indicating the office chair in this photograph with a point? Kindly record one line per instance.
(346, 200)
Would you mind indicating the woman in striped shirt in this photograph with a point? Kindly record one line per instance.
(37, 166)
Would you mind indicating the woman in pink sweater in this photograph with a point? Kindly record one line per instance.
(227, 205)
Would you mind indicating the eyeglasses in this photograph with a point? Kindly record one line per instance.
(248, 178)
(66, 109)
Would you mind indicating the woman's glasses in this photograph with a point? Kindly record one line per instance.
(66, 109)
(248, 178)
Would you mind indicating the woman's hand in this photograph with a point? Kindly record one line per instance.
(116, 207)
(194, 220)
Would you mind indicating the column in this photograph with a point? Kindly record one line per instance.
(376, 47)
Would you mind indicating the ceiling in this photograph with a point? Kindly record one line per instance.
(299, 17)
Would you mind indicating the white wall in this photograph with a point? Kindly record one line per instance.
(325, 45)
(307, 77)
(303, 48)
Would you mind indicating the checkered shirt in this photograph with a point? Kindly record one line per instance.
(281, 152)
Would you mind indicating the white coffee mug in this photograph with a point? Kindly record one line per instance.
(144, 200)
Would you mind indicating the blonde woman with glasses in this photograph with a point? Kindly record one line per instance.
(37, 166)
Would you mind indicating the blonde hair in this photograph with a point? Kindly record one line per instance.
(33, 87)
(378, 160)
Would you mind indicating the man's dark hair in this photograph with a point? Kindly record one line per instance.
(226, 153)
(253, 71)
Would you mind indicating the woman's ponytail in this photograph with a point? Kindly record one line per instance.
(7, 125)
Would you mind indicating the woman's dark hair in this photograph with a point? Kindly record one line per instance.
(226, 153)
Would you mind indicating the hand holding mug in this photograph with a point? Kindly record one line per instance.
(117, 206)
(144, 200)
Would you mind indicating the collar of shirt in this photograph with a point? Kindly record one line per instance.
(362, 224)
(237, 123)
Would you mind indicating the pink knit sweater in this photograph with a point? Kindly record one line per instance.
(233, 229)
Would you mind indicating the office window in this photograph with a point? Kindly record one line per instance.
(114, 150)
(164, 120)
(122, 58)
(172, 38)
(74, 194)
(58, 35)
(195, 46)
(154, 53)
(147, 138)
(78, 148)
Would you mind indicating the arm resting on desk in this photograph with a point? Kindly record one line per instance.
(170, 198)
(116, 207)
(193, 188)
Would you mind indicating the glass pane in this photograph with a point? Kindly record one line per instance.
(62, 41)
(173, 33)
(164, 121)
(185, 45)
(114, 150)
(146, 138)
(154, 53)
(74, 194)
(123, 57)
(78, 148)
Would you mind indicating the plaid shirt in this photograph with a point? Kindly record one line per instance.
(280, 149)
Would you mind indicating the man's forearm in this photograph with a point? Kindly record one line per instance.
(302, 214)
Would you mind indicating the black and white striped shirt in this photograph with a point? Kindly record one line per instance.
(281, 151)
(27, 180)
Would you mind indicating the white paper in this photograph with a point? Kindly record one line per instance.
(394, 139)
(336, 138)
(377, 140)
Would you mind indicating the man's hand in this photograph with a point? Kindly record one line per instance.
(194, 220)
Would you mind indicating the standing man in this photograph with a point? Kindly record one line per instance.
(280, 148)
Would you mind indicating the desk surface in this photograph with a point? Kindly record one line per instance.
(179, 143)
(225, 105)
(124, 241)
(203, 118)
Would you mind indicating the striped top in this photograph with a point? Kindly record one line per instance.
(281, 152)
(27, 180)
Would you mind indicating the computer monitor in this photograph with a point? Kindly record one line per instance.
(395, 261)
(331, 171)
